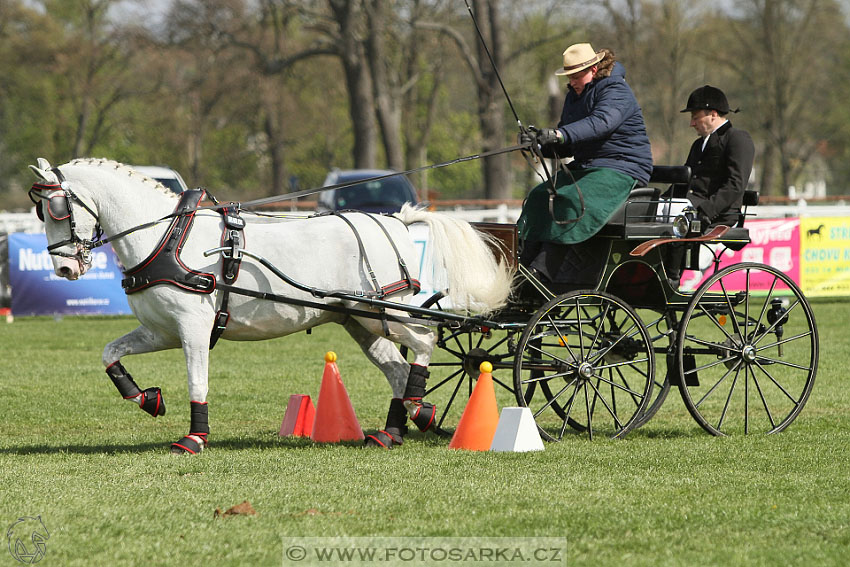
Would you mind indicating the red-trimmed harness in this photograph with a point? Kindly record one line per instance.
(164, 266)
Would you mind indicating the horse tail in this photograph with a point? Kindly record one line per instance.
(475, 280)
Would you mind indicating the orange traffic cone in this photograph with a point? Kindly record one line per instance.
(335, 420)
(480, 418)
(298, 419)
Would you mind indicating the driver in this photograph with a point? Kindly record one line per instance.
(602, 128)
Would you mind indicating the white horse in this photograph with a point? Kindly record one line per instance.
(79, 197)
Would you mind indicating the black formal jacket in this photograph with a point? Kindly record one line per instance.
(720, 173)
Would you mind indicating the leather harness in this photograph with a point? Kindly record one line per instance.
(164, 266)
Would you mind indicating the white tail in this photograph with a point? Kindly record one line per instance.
(477, 281)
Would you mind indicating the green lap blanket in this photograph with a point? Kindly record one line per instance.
(604, 190)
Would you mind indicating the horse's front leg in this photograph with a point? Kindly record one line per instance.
(137, 341)
(196, 349)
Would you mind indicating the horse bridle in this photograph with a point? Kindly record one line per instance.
(60, 201)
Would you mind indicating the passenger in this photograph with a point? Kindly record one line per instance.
(602, 128)
(721, 160)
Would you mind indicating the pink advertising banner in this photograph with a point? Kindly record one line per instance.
(775, 242)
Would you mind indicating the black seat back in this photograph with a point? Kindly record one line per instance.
(642, 203)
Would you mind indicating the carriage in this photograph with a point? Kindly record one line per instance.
(742, 348)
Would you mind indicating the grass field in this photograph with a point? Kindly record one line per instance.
(98, 473)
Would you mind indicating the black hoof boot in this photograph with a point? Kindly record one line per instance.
(151, 399)
(152, 402)
(385, 438)
(421, 413)
(393, 431)
(199, 429)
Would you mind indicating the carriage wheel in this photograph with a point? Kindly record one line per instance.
(748, 358)
(455, 365)
(592, 359)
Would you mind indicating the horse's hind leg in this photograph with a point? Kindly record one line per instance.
(408, 390)
(384, 354)
(137, 341)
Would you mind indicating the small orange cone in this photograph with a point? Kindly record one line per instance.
(477, 425)
(298, 419)
(334, 420)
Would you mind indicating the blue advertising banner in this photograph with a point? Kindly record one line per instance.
(36, 290)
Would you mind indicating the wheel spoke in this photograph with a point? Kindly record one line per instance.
(555, 398)
(767, 301)
(634, 395)
(451, 377)
(545, 378)
(770, 329)
(615, 385)
(449, 403)
(597, 394)
(763, 400)
(552, 356)
(716, 323)
(786, 340)
(728, 399)
(778, 385)
(731, 309)
(728, 372)
(783, 363)
(710, 344)
(714, 363)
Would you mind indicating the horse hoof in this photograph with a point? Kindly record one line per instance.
(152, 402)
(189, 445)
(383, 439)
(422, 414)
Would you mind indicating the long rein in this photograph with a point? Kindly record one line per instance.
(217, 206)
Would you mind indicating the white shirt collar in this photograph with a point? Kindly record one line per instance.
(705, 140)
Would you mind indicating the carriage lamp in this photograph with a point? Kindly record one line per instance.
(687, 222)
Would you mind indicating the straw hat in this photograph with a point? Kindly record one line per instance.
(579, 57)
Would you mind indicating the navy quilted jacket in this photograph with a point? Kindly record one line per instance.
(604, 127)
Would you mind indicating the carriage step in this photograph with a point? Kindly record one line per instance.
(691, 378)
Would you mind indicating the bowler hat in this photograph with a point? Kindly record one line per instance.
(579, 57)
(707, 98)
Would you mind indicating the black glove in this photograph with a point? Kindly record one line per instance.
(548, 137)
(527, 135)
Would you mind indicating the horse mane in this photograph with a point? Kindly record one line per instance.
(123, 168)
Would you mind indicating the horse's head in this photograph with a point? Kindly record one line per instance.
(71, 224)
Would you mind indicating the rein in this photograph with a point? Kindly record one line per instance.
(534, 149)
(85, 246)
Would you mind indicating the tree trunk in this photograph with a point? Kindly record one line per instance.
(386, 102)
(496, 170)
(358, 80)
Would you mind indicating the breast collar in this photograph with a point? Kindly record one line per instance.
(163, 265)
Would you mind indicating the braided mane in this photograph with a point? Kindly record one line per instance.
(123, 168)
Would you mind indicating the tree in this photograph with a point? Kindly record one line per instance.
(776, 48)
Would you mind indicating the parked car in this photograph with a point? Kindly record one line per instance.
(164, 175)
(380, 196)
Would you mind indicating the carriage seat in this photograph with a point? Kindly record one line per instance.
(638, 216)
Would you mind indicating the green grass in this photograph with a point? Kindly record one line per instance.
(97, 470)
